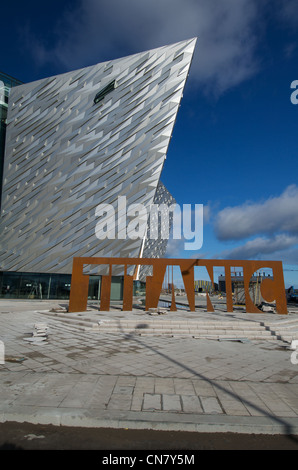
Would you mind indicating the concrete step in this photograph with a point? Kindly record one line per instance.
(73, 320)
(214, 336)
(286, 329)
(289, 323)
(235, 332)
(195, 331)
(162, 326)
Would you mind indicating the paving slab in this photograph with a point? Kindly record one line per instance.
(93, 378)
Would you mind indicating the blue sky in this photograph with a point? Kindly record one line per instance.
(234, 144)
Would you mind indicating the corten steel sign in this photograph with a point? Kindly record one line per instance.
(272, 289)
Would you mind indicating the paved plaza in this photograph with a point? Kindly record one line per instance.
(85, 375)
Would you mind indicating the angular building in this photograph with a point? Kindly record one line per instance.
(78, 141)
(157, 247)
(6, 83)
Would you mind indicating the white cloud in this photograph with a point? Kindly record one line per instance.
(289, 256)
(277, 214)
(273, 223)
(97, 31)
(261, 247)
(174, 248)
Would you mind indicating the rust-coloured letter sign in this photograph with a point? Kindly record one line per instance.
(272, 289)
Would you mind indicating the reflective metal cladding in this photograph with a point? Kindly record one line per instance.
(79, 139)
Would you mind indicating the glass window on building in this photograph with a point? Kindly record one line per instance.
(15, 285)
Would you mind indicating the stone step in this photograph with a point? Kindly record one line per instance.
(162, 326)
(177, 327)
(286, 329)
(160, 323)
(209, 335)
(282, 323)
(143, 326)
(292, 327)
(193, 331)
(177, 334)
(214, 336)
(69, 319)
(286, 335)
(288, 339)
(178, 323)
(256, 334)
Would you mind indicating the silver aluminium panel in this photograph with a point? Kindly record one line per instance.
(66, 153)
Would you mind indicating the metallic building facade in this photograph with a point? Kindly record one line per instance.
(81, 139)
(157, 247)
(6, 83)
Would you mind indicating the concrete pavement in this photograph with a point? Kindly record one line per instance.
(88, 373)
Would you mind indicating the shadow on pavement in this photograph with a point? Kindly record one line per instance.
(287, 428)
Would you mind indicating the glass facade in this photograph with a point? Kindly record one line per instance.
(14, 285)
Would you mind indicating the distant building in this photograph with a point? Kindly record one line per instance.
(292, 294)
(204, 286)
(237, 281)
